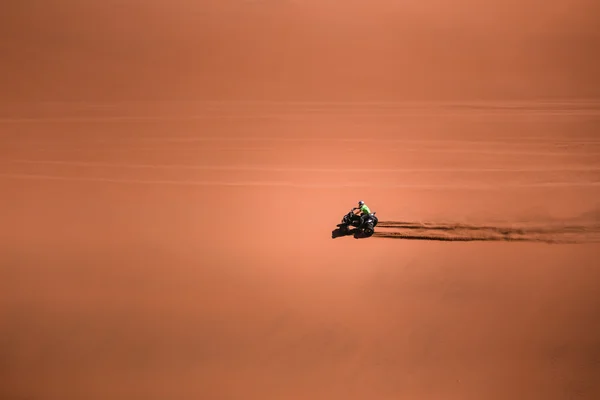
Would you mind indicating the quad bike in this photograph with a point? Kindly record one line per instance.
(352, 219)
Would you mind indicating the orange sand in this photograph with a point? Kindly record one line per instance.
(171, 176)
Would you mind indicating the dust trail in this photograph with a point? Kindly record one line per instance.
(482, 238)
(546, 233)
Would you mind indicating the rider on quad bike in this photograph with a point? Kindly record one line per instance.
(363, 213)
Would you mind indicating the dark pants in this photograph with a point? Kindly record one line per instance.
(363, 219)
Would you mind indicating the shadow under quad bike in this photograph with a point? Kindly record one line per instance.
(352, 219)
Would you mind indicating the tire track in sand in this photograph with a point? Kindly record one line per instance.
(456, 232)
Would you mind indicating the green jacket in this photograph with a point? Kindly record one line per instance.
(364, 209)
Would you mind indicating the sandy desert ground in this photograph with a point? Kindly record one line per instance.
(169, 208)
(171, 255)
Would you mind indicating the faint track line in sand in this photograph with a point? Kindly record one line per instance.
(531, 141)
(548, 233)
(561, 150)
(332, 185)
(396, 103)
(511, 141)
(400, 150)
(265, 168)
(470, 113)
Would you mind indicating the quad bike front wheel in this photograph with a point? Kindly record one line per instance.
(368, 231)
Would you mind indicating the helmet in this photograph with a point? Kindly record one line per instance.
(361, 203)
